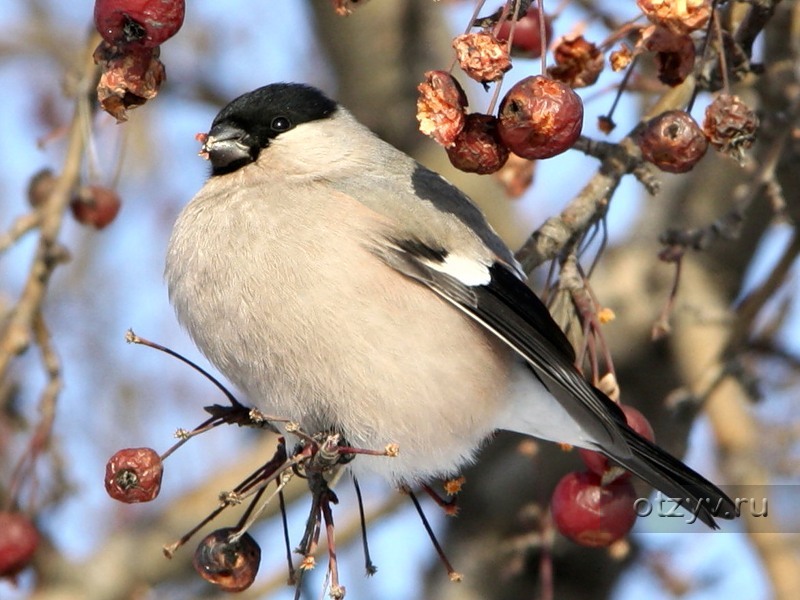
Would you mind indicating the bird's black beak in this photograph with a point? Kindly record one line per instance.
(228, 148)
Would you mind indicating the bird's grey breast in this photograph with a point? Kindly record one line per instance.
(250, 274)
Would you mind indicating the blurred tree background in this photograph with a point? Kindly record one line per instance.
(721, 385)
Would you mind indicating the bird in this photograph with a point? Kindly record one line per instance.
(342, 285)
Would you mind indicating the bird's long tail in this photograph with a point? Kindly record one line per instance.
(669, 475)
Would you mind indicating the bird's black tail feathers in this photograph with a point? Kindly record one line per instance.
(669, 475)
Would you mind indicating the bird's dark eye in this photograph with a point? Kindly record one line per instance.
(280, 124)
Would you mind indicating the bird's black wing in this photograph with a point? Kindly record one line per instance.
(507, 307)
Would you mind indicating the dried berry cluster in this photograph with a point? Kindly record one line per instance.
(675, 143)
(542, 116)
(539, 117)
(132, 31)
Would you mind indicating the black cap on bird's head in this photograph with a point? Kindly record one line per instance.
(250, 122)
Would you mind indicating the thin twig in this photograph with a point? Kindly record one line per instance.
(21, 225)
(451, 572)
(369, 566)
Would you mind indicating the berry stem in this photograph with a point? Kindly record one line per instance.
(206, 425)
(661, 327)
(337, 591)
(285, 477)
(704, 50)
(622, 85)
(451, 572)
(369, 566)
(286, 542)
(542, 34)
(723, 62)
(450, 506)
(132, 338)
(474, 17)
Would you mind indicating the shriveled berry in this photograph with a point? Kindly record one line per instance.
(527, 41)
(134, 475)
(482, 56)
(130, 77)
(478, 149)
(95, 205)
(579, 62)
(40, 187)
(678, 16)
(730, 125)
(146, 23)
(672, 141)
(591, 514)
(598, 463)
(19, 539)
(540, 117)
(228, 560)
(620, 58)
(675, 53)
(606, 124)
(440, 107)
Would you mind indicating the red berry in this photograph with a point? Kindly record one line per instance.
(95, 205)
(591, 514)
(673, 141)
(598, 463)
(478, 149)
(147, 23)
(595, 461)
(540, 117)
(638, 422)
(134, 475)
(231, 565)
(527, 40)
(19, 539)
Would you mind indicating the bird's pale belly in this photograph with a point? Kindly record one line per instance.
(359, 360)
(372, 381)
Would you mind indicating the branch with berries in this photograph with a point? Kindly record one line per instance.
(542, 116)
(24, 325)
(229, 557)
